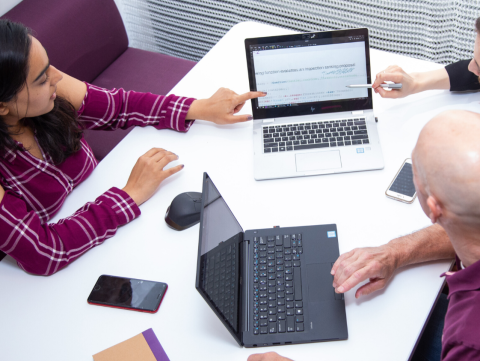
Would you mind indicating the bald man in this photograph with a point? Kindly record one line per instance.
(446, 168)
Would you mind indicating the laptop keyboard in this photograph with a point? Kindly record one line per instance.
(220, 273)
(277, 296)
(325, 134)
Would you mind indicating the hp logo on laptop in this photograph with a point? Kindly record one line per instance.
(312, 108)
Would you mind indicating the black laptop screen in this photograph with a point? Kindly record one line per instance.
(218, 273)
(308, 73)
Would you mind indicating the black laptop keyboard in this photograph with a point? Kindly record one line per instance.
(326, 134)
(277, 296)
(220, 273)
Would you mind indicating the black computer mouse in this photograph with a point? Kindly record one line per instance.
(184, 211)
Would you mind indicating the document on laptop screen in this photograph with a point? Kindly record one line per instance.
(306, 72)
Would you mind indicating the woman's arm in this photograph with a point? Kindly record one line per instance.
(104, 109)
(44, 249)
(220, 108)
(111, 109)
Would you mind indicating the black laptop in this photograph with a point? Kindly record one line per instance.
(268, 286)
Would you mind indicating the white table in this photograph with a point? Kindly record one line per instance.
(48, 317)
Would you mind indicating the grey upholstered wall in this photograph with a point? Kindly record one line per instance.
(437, 30)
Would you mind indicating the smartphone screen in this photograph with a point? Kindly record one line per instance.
(403, 184)
(402, 187)
(128, 293)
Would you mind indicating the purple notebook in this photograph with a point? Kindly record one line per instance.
(155, 346)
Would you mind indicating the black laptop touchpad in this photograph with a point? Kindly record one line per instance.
(320, 281)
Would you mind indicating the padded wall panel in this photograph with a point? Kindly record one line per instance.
(441, 31)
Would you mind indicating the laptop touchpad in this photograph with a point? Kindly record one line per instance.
(320, 282)
(307, 162)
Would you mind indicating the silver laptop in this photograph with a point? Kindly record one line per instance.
(310, 123)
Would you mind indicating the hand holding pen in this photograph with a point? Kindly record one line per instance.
(399, 76)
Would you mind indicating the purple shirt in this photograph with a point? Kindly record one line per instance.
(461, 332)
(35, 189)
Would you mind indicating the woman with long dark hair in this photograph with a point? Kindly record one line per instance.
(43, 155)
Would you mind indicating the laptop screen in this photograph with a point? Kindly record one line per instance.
(218, 267)
(308, 73)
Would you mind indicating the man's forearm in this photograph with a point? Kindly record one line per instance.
(429, 244)
(430, 80)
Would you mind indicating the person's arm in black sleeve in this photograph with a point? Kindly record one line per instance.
(462, 79)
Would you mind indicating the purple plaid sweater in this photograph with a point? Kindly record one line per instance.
(36, 189)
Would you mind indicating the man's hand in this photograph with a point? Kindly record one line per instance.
(374, 263)
(397, 75)
(269, 356)
(221, 107)
(379, 263)
(411, 83)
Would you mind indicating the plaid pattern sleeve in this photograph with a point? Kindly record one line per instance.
(43, 248)
(111, 109)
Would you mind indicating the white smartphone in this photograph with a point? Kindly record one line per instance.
(402, 188)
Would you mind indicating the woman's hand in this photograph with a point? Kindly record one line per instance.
(221, 107)
(397, 75)
(148, 173)
(269, 356)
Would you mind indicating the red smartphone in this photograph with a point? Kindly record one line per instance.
(128, 293)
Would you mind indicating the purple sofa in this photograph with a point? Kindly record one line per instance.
(87, 40)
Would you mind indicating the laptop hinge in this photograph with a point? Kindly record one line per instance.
(270, 120)
(358, 112)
